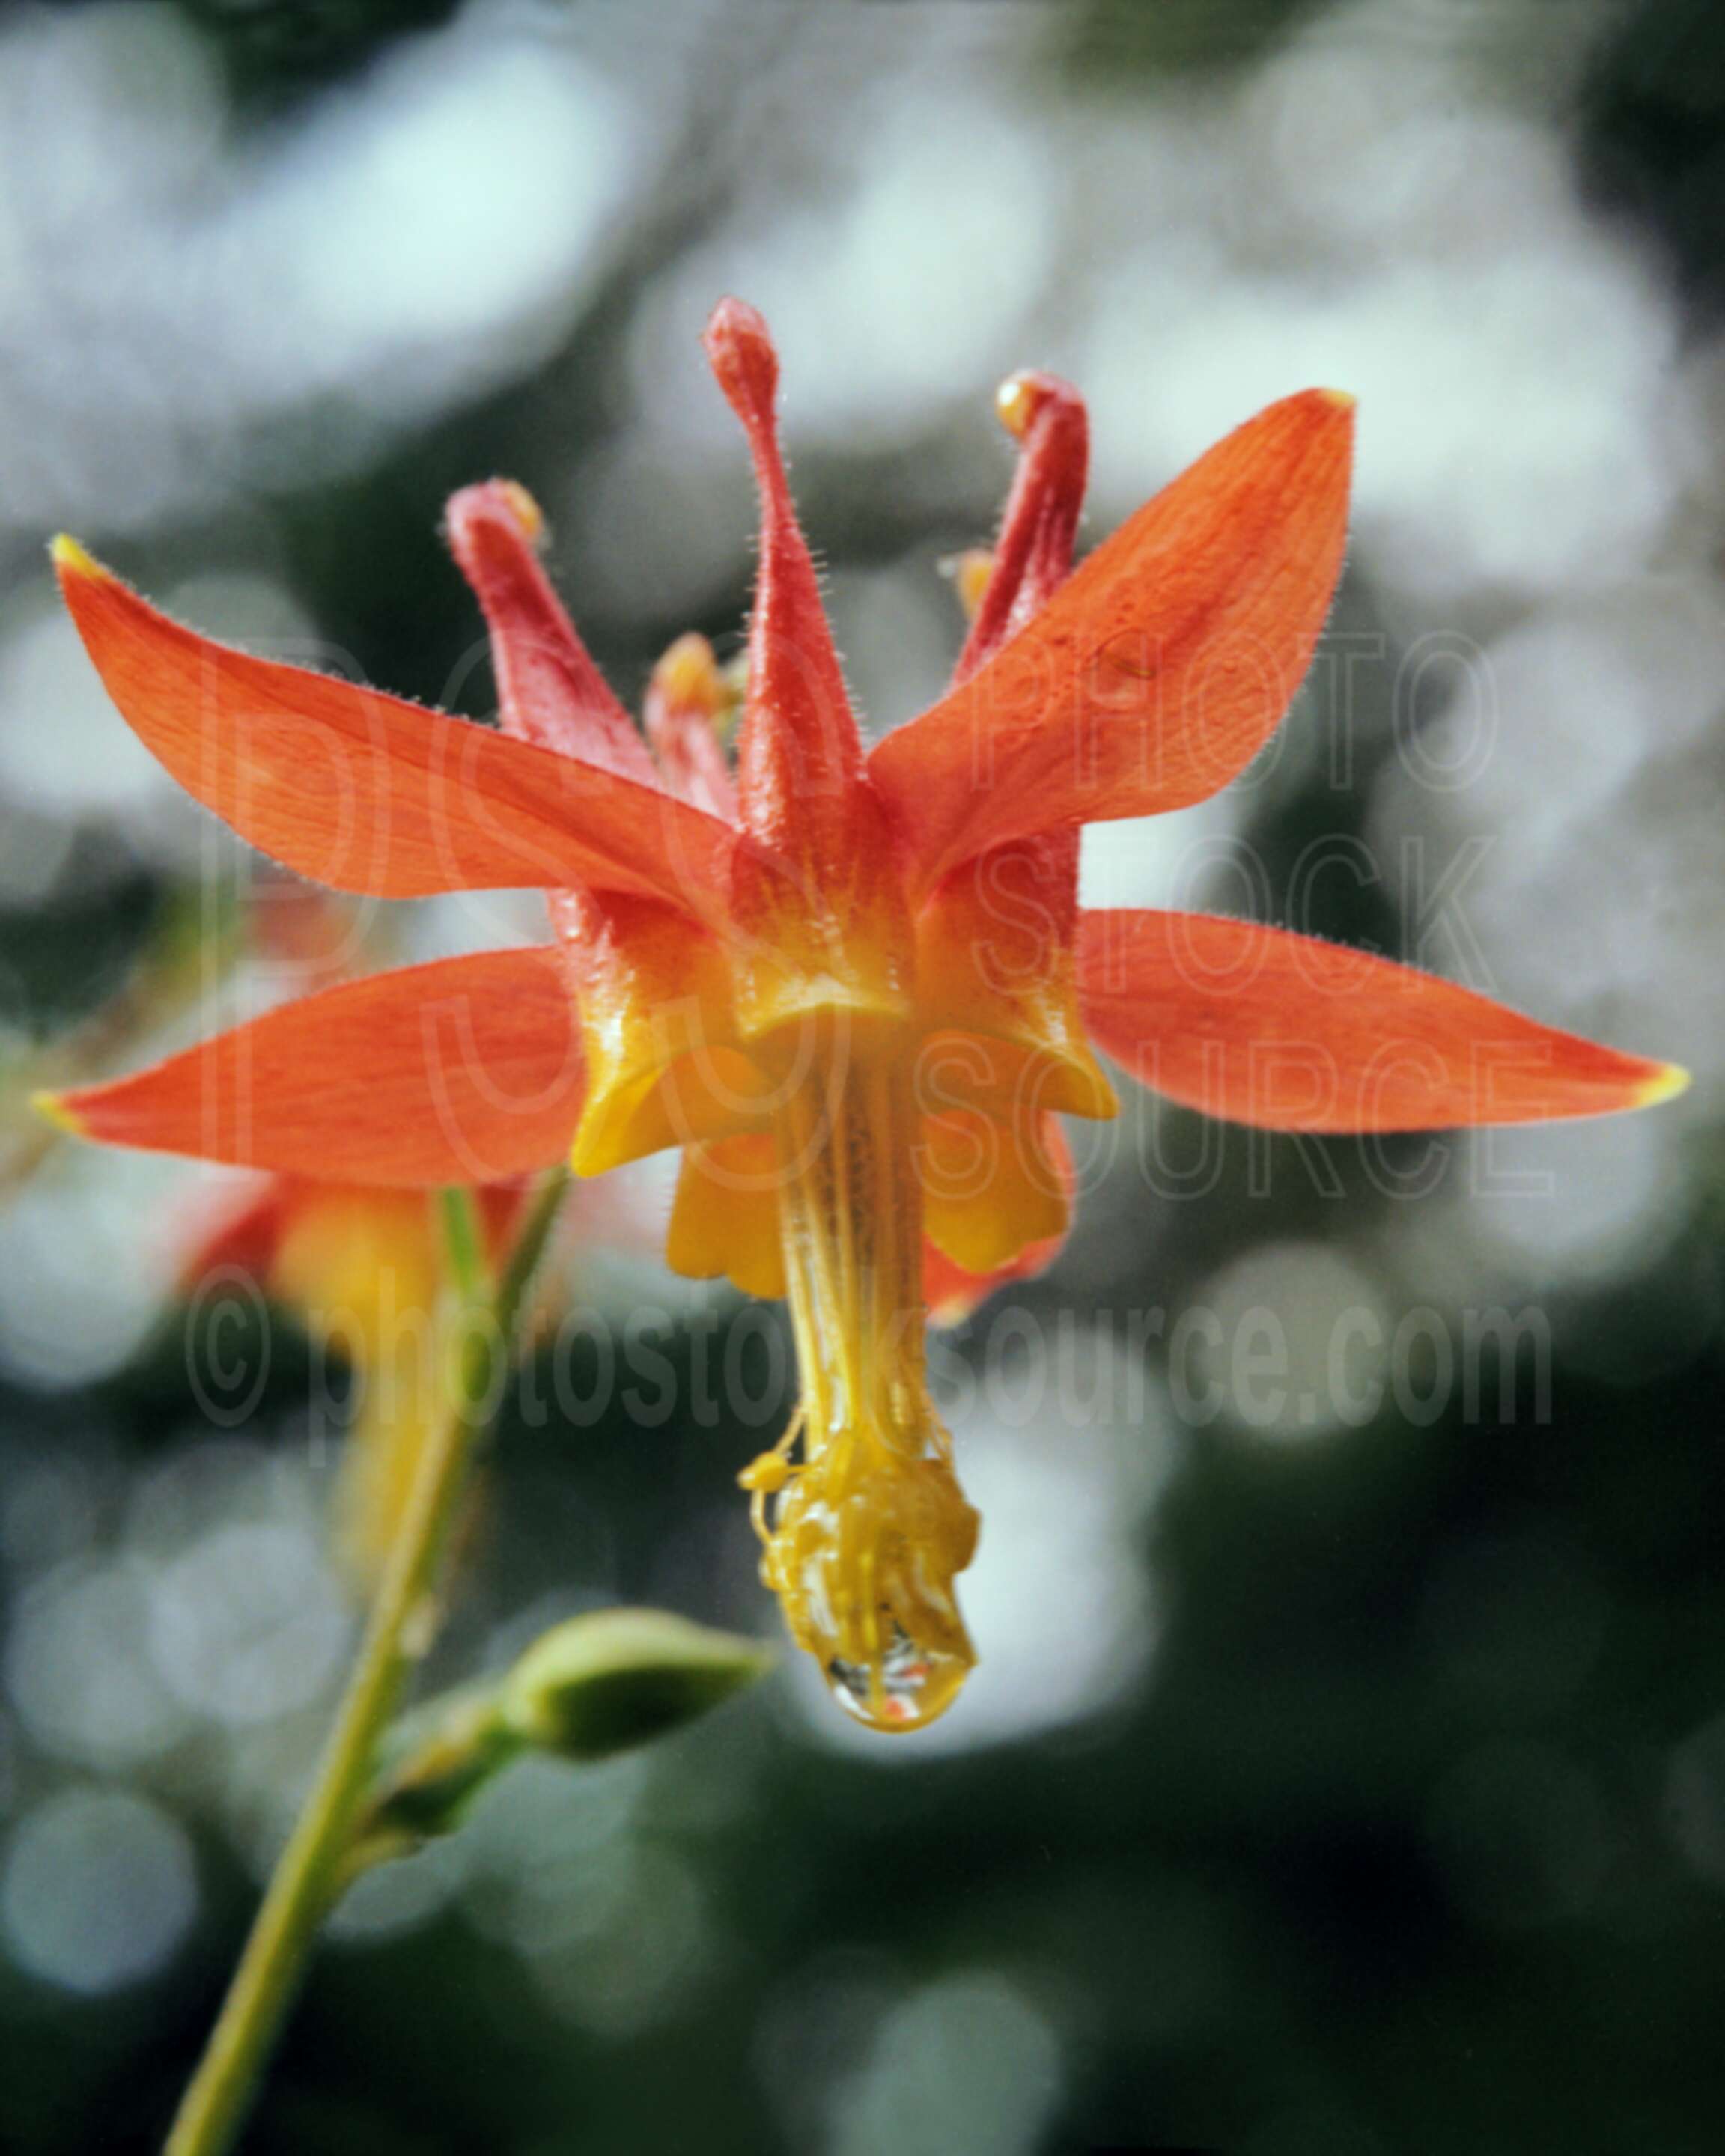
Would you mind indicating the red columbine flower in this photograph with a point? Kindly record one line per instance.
(361, 1266)
(856, 992)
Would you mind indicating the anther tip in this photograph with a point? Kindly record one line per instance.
(1017, 402)
(739, 349)
(529, 517)
(687, 677)
(970, 573)
(1025, 398)
(495, 502)
(769, 1473)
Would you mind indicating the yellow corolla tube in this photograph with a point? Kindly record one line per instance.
(864, 1526)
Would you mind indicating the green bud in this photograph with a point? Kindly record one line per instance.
(592, 1686)
(615, 1678)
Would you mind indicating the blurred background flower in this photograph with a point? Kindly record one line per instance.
(1344, 1771)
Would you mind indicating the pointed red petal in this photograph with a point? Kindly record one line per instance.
(1160, 669)
(1033, 555)
(821, 918)
(799, 758)
(465, 1070)
(551, 692)
(366, 793)
(1262, 1026)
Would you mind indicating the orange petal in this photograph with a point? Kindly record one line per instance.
(367, 793)
(991, 1188)
(1033, 557)
(953, 1291)
(953, 1294)
(551, 691)
(362, 1265)
(1262, 1026)
(725, 1219)
(325, 1246)
(799, 757)
(821, 919)
(657, 1029)
(994, 941)
(465, 1070)
(995, 969)
(1159, 668)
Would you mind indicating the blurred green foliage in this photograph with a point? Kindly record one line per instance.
(275, 49)
(1386, 1834)
(1122, 44)
(1654, 141)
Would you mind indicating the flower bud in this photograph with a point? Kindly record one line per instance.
(615, 1678)
(592, 1686)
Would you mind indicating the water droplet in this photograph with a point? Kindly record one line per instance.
(907, 1688)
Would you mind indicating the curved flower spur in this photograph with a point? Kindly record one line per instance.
(856, 989)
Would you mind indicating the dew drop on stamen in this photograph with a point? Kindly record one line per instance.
(912, 1686)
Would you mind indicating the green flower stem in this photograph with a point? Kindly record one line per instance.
(463, 1247)
(312, 1867)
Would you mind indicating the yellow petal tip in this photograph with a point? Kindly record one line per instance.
(71, 560)
(1669, 1080)
(1339, 400)
(53, 1107)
